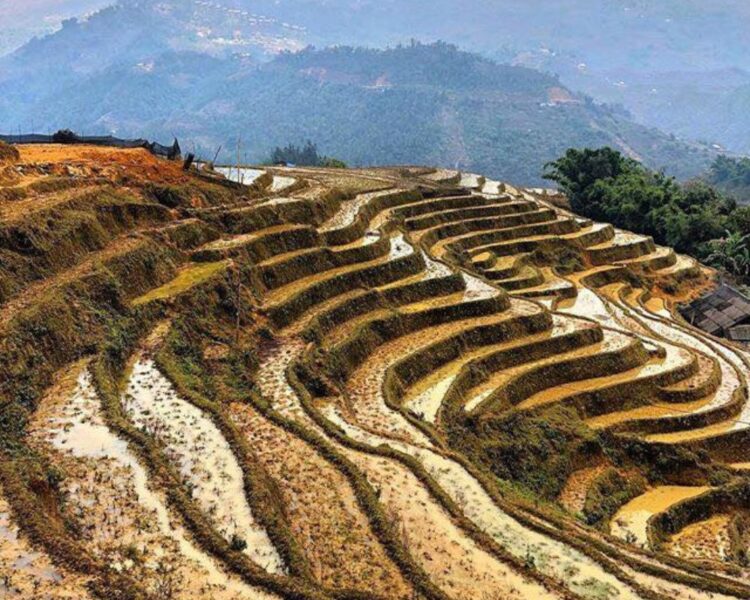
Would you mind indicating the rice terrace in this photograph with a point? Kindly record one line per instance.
(372, 383)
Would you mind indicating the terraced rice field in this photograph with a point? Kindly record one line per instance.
(353, 384)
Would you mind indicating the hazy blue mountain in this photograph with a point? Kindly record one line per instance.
(606, 34)
(713, 106)
(429, 104)
(668, 62)
(205, 70)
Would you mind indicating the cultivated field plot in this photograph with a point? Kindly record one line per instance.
(397, 383)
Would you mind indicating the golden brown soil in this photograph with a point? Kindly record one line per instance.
(338, 540)
(573, 495)
(114, 164)
(706, 540)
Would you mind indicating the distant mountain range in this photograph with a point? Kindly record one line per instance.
(211, 72)
(605, 35)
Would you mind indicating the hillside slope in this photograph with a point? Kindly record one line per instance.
(425, 104)
(372, 384)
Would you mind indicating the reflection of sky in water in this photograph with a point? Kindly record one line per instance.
(27, 560)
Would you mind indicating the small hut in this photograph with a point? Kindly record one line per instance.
(721, 312)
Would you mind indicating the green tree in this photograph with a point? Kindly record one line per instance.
(603, 184)
(732, 254)
(578, 171)
(732, 176)
(304, 156)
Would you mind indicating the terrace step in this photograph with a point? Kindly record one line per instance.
(338, 317)
(474, 213)
(622, 247)
(703, 383)
(365, 213)
(476, 299)
(527, 238)
(630, 523)
(287, 267)
(565, 335)
(684, 266)
(661, 258)
(591, 234)
(553, 287)
(719, 433)
(259, 245)
(726, 402)
(503, 267)
(287, 303)
(645, 419)
(595, 393)
(469, 233)
(515, 240)
(368, 373)
(258, 215)
(424, 206)
(528, 276)
(425, 397)
(523, 386)
(483, 261)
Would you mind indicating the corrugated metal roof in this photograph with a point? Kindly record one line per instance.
(740, 333)
(719, 311)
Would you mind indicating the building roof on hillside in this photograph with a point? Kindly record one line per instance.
(719, 311)
(740, 333)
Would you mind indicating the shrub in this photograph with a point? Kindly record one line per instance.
(65, 136)
(8, 153)
(609, 492)
(238, 544)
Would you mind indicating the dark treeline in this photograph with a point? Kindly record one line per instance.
(732, 176)
(303, 156)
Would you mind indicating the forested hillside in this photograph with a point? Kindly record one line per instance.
(426, 104)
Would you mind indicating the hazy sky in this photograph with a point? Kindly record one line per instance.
(18, 11)
(20, 20)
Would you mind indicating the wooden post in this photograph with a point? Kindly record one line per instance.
(239, 307)
(239, 179)
(188, 162)
(216, 156)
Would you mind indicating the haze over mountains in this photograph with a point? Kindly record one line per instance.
(23, 20)
(194, 67)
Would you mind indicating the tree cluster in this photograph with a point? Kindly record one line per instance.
(694, 218)
(732, 176)
(303, 156)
